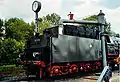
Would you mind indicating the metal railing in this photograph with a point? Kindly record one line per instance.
(105, 75)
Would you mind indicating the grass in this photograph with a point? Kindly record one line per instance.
(11, 70)
(10, 67)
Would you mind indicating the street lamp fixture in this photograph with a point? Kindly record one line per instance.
(36, 6)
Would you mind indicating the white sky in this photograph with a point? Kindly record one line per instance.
(80, 8)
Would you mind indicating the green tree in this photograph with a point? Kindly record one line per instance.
(107, 27)
(1, 29)
(91, 18)
(53, 18)
(18, 29)
(9, 50)
(48, 21)
(43, 25)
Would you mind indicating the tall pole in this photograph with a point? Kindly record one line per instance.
(101, 20)
(36, 6)
(36, 23)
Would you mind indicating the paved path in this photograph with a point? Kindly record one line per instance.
(115, 79)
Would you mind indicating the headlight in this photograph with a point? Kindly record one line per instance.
(35, 53)
(19, 55)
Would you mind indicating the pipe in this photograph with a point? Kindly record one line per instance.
(79, 22)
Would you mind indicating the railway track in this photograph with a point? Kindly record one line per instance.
(74, 78)
(21, 78)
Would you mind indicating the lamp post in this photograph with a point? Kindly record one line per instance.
(101, 20)
(36, 6)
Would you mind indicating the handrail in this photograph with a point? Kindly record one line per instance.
(78, 21)
(103, 74)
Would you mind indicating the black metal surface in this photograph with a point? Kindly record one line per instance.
(51, 31)
(70, 48)
(65, 48)
(37, 42)
(87, 31)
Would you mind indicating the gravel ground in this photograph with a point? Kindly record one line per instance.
(115, 78)
(22, 78)
(32, 79)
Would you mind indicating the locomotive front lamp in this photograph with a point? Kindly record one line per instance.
(36, 6)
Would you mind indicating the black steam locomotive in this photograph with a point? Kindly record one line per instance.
(64, 49)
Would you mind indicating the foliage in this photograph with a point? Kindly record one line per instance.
(1, 29)
(52, 19)
(32, 25)
(9, 50)
(48, 21)
(91, 18)
(18, 29)
(1, 24)
(11, 70)
(107, 27)
(42, 26)
(17, 32)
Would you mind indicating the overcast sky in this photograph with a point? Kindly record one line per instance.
(80, 8)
